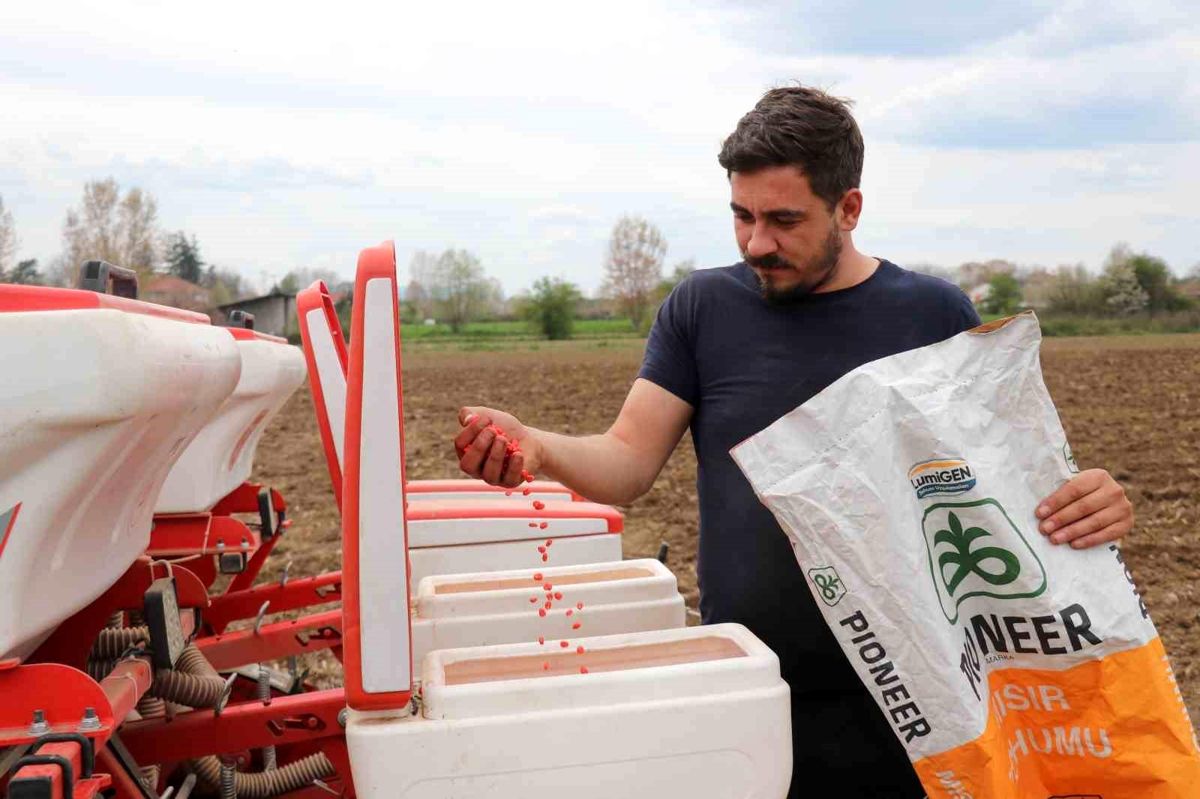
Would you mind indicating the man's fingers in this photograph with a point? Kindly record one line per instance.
(494, 464)
(1074, 489)
(1091, 523)
(466, 413)
(512, 475)
(1110, 533)
(1087, 505)
(472, 459)
(469, 433)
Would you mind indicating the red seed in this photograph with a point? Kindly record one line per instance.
(558, 594)
(569, 611)
(545, 667)
(526, 491)
(549, 595)
(533, 600)
(537, 576)
(549, 604)
(541, 639)
(547, 587)
(533, 524)
(545, 558)
(541, 611)
(538, 504)
(576, 626)
(526, 476)
(583, 669)
(544, 525)
(579, 605)
(549, 541)
(542, 549)
(508, 493)
(564, 644)
(579, 650)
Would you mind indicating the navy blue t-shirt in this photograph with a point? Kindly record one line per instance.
(742, 363)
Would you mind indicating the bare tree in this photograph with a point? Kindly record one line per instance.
(423, 273)
(8, 239)
(634, 267)
(107, 226)
(461, 288)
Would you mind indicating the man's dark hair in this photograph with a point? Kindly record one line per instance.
(801, 127)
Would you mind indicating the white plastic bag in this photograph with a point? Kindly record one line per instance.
(1007, 666)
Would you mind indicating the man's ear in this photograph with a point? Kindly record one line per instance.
(849, 209)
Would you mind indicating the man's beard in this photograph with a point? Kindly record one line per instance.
(815, 273)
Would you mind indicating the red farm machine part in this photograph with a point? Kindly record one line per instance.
(139, 651)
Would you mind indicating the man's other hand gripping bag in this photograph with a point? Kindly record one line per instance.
(1009, 667)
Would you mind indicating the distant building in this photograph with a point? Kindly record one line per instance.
(274, 313)
(174, 291)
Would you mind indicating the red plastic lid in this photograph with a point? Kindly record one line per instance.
(27, 299)
(245, 334)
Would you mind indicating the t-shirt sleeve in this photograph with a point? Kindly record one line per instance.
(963, 312)
(670, 360)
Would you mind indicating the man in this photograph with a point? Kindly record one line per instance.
(733, 349)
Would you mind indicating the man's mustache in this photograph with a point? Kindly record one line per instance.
(769, 261)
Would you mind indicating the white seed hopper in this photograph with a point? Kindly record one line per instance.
(516, 606)
(221, 456)
(100, 395)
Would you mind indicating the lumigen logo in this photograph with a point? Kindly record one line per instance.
(975, 550)
(941, 477)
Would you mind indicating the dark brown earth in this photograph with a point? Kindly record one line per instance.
(1130, 405)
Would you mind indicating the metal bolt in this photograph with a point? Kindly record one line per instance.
(220, 544)
(245, 543)
(90, 720)
(343, 715)
(39, 725)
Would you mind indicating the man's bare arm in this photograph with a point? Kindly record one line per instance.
(615, 467)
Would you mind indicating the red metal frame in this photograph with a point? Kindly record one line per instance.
(83, 788)
(300, 592)
(246, 725)
(27, 299)
(177, 535)
(60, 692)
(317, 297)
(273, 641)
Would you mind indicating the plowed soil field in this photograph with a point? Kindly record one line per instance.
(1130, 405)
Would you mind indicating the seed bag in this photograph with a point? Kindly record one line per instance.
(1010, 668)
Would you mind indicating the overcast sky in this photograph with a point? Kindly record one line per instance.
(292, 135)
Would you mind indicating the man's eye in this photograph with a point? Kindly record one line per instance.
(744, 218)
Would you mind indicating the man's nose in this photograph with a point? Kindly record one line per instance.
(761, 243)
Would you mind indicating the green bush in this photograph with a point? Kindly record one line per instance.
(551, 307)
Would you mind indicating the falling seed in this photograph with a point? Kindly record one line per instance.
(541, 611)
(549, 604)
(579, 650)
(564, 644)
(576, 625)
(508, 493)
(547, 587)
(544, 525)
(579, 605)
(583, 669)
(541, 639)
(537, 576)
(545, 666)
(549, 541)
(569, 611)
(558, 594)
(542, 549)
(533, 600)
(526, 492)
(538, 504)
(549, 595)
(533, 524)
(545, 558)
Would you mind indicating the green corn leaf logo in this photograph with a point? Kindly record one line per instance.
(967, 562)
(975, 550)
